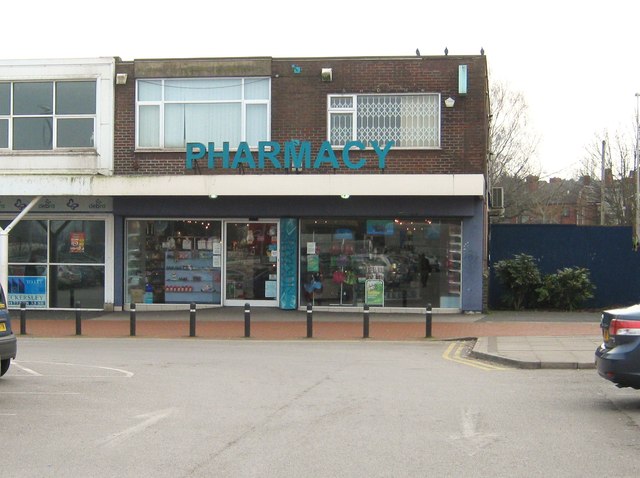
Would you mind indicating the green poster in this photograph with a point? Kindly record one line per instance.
(374, 292)
(313, 263)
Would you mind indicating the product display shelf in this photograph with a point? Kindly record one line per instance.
(189, 276)
(454, 256)
(135, 266)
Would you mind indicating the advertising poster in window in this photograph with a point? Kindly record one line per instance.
(380, 227)
(77, 242)
(313, 263)
(32, 290)
(374, 292)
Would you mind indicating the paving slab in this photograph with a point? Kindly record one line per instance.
(539, 352)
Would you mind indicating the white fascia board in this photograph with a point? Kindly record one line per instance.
(51, 185)
(247, 185)
(293, 185)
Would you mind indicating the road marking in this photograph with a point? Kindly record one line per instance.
(39, 393)
(472, 439)
(125, 373)
(25, 369)
(454, 354)
(151, 419)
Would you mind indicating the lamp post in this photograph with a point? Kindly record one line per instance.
(637, 224)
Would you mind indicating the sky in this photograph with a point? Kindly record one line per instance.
(577, 64)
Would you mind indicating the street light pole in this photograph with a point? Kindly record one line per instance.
(637, 173)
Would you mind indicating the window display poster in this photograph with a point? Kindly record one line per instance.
(313, 263)
(270, 289)
(311, 248)
(380, 227)
(32, 290)
(374, 292)
(432, 232)
(76, 240)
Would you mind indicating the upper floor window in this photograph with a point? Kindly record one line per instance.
(409, 120)
(47, 115)
(172, 113)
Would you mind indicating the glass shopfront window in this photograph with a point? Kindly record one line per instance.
(57, 263)
(408, 262)
(173, 261)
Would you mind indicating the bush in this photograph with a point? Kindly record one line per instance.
(568, 288)
(520, 277)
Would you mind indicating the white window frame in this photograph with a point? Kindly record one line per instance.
(162, 102)
(109, 252)
(353, 111)
(53, 115)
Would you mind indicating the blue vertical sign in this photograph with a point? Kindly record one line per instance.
(288, 263)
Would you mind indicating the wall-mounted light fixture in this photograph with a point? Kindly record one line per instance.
(344, 196)
(121, 78)
(327, 74)
(449, 102)
(213, 195)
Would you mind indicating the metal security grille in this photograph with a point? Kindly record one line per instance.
(410, 121)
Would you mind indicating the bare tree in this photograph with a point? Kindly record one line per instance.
(511, 138)
(619, 183)
(513, 144)
(547, 201)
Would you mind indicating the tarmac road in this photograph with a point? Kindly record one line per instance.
(144, 407)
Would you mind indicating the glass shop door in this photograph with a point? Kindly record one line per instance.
(251, 263)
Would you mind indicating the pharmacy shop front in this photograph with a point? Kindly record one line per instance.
(288, 251)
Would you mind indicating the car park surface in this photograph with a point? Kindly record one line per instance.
(200, 408)
(618, 357)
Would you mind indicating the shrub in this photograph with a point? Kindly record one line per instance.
(520, 277)
(568, 288)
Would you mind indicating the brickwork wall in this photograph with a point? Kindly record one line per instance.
(299, 111)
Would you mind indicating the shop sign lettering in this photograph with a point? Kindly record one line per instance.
(291, 154)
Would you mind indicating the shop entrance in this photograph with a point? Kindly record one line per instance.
(251, 263)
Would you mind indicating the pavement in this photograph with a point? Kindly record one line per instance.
(529, 339)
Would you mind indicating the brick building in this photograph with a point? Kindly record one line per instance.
(270, 181)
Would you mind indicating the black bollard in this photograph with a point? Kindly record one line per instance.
(247, 320)
(365, 325)
(192, 319)
(132, 319)
(404, 298)
(428, 321)
(78, 319)
(23, 318)
(309, 320)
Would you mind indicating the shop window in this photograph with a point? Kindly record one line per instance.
(172, 113)
(409, 120)
(47, 115)
(173, 261)
(57, 263)
(408, 262)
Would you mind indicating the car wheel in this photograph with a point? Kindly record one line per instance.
(4, 366)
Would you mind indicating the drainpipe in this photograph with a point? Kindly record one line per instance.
(4, 244)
